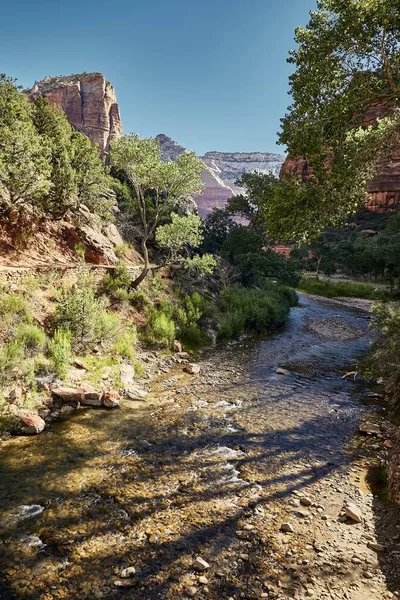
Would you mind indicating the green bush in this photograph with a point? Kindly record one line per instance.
(124, 344)
(160, 328)
(60, 351)
(139, 299)
(14, 308)
(253, 309)
(31, 336)
(11, 360)
(117, 279)
(80, 312)
(335, 289)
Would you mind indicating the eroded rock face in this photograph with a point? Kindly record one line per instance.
(89, 102)
(221, 170)
(384, 188)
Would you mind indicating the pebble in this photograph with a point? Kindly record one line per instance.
(287, 528)
(191, 591)
(128, 572)
(200, 564)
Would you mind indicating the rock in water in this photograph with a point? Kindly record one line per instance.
(111, 399)
(353, 512)
(32, 424)
(67, 394)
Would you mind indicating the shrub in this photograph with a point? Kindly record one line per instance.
(31, 336)
(79, 311)
(14, 308)
(60, 351)
(139, 299)
(154, 286)
(11, 359)
(117, 279)
(334, 289)
(124, 344)
(253, 309)
(160, 328)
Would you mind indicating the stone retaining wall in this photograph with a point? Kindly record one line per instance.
(65, 272)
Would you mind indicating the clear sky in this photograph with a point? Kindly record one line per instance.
(211, 74)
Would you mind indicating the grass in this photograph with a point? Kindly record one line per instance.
(336, 289)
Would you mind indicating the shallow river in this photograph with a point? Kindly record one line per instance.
(155, 486)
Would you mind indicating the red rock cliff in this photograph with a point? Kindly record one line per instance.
(89, 102)
(384, 188)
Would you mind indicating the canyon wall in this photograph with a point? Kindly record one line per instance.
(384, 188)
(221, 171)
(88, 100)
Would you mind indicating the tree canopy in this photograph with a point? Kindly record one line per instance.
(347, 59)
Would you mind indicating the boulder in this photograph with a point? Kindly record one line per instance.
(98, 249)
(353, 512)
(192, 369)
(112, 233)
(111, 399)
(177, 346)
(91, 396)
(369, 428)
(136, 393)
(32, 424)
(68, 394)
(127, 374)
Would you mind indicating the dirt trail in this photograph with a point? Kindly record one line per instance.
(212, 466)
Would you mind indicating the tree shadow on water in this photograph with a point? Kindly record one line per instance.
(140, 492)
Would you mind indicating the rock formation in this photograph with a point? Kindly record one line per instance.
(89, 102)
(384, 188)
(230, 166)
(221, 171)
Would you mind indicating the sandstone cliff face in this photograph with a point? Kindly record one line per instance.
(89, 102)
(221, 171)
(384, 188)
(230, 166)
(215, 194)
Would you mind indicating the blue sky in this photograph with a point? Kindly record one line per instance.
(212, 74)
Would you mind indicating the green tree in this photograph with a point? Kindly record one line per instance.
(259, 189)
(24, 155)
(347, 58)
(159, 187)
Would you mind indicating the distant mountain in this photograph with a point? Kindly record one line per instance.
(221, 171)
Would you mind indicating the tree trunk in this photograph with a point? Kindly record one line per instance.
(146, 267)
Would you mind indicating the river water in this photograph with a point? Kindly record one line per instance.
(156, 485)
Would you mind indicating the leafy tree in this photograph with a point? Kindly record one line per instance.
(180, 234)
(51, 123)
(241, 240)
(217, 226)
(24, 155)
(347, 58)
(77, 171)
(259, 192)
(159, 187)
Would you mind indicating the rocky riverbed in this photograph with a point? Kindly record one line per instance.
(248, 480)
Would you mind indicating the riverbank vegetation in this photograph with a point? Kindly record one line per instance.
(336, 289)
